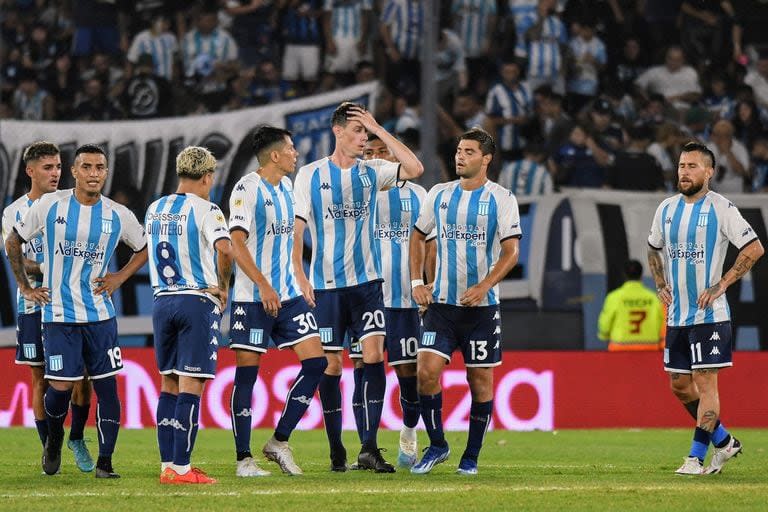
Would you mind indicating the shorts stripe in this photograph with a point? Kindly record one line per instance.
(372, 333)
(444, 356)
(105, 375)
(30, 363)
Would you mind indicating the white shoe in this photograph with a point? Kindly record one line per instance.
(409, 447)
(691, 466)
(280, 452)
(248, 467)
(723, 455)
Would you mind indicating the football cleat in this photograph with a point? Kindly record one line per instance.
(280, 452)
(193, 476)
(408, 450)
(339, 460)
(691, 466)
(248, 467)
(433, 455)
(723, 455)
(106, 473)
(52, 454)
(467, 467)
(83, 458)
(372, 459)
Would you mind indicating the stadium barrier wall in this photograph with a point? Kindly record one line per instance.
(533, 391)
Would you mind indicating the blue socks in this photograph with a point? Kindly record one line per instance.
(720, 436)
(330, 396)
(166, 411)
(107, 414)
(409, 401)
(240, 404)
(432, 414)
(79, 419)
(374, 384)
(186, 424)
(700, 444)
(479, 419)
(300, 396)
(56, 408)
(357, 402)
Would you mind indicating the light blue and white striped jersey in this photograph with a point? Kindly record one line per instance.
(162, 47)
(544, 57)
(526, 178)
(694, 239)
(471, 23)
(265, 213)
(396, 212)
(78, 243)
(584, 80)
(339, 207)
(347, 17)
(32, 250)
(218, 46)
(505, 102)
(470, 226)
(405, 19)
(182, 230)
(520, 10)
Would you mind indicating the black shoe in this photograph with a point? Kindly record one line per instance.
(52, 454)
(339, 460)
(372, 459)
(106, 473)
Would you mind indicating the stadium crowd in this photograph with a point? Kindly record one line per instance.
(580, 93)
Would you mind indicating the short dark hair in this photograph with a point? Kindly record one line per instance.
(372, 137)
(90, 148)
(487, 144)
(633, 269)
(267, 136)
(340, 115)
(701, 148)
(39, 149)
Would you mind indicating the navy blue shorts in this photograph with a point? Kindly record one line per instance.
(29, 339)
(474, 331)
(697, 347)
(186, 335)
(402, 339)
(251, 328)
(356, 310)
(71, 349)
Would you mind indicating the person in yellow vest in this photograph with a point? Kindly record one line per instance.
(632, 318)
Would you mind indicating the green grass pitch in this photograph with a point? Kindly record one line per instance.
(564, 471)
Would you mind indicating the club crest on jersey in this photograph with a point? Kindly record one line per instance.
(428, 339)
(257, 336)
(364, 179)
(30, 350)
(483, 207)
(405, 205)
(55, 363)
(326, 335)
(106, 226)
(703, 219)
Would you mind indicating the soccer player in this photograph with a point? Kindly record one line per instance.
(80, 230)
(687, 246)
(43, 165)
(478, 229)
(190, 263)
(268, 303)
(336, 198)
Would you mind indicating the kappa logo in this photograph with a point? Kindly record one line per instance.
(496, 316)
(325, 186)
(213, 208)
(239, 311)
(443, 205)
(240, 187)
(216, 310)
(245, 413)
(715, 336)
(214, 341)
(238, 326)
(215, 325)
(214, 357)
(668, 220)
(177, 425)
(166, 422)
(497, 330)
(746, 232)
(269, 202)
(302, 399)
(715, 351)
(60, 220)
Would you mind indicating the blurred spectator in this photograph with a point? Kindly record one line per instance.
(541, 39)
(253, 26)
(208, 47)
(96, 105)
(661, 17)
(40, 51)
(475, 23)
(64, 85)
(705, 27)
(697, 123)
(509, 106)
(161, 45)
(301, 36)
(587, 58)
(109, 75)
(97, 28)
(580, 162)
(717, 100)
(757, 78)
(268, 87)
(141, 14)
(9, 72)
(665, 149)
(634, 168)
(407, 110)
(346, 26)
(551, 125)
(364, 72)
(401, 32)
(760, 165)
(529, 176)
(678, 83)
(608, 134)
(656, 110)
(746, 123)
(468, 110)
(147, 95)
(731, 160)
(629, 65)
(12, 29)
(451, 67)
(30, 102)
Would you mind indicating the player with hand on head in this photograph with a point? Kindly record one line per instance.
(268, 303)
(477, 225)
(42, 162)
(688, 242)
(190, 264)
(336, 199)
(80, 230)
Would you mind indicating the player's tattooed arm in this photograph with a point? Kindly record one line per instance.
(744, 261)
(33, 268)
(16, 259)
(656, 266)
(224, 269)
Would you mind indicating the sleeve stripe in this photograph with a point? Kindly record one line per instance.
(19, 234)
(653, 246)
(519, 236)
(220, 238)
(238, 228)
(420, 231)
(302, 218)
(142, 248)
(751, 241)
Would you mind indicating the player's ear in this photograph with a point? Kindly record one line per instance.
(29, 171)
